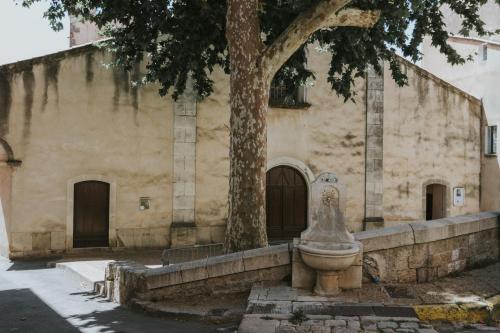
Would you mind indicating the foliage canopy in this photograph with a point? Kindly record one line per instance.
(182, 36)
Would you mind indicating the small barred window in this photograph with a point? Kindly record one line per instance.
(284, 96)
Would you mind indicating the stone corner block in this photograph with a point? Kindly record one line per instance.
(225, 265)
(183, 234)
(265, 257)
(57, 240)
(303, 277)
(21, 241)
(430, 231)
(163, 276)
(251, 324)
(386, 238)
(489, 220)
(351, 278)
(194, 270)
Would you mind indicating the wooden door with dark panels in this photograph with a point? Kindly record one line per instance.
(91, 214)
(286, 203)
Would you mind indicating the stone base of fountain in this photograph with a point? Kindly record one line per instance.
(304, 277)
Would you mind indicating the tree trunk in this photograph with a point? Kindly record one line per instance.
(249, 94)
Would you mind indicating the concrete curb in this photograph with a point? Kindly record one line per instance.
(466, 312)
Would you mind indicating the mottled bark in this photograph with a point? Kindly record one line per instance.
(252, 69)
(246, 226)
(326, 14)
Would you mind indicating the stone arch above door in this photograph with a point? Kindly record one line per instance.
(70, 192)
(294, 163)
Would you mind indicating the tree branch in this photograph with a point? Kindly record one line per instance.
(326, 13)
(352, 17)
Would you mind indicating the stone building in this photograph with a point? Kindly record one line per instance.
(479, 77)
(91, 160)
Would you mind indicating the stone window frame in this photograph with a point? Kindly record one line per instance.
(301, 167)
(447, 196)
(70, 193)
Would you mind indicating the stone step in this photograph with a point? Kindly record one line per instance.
(89, 274)
(328, 308)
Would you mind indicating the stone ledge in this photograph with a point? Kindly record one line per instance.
(194, 270)
(386, 238)
(450, 227)
(427, 231)
(203, 269)
(163, 277)
(266, 257)
(225, 265)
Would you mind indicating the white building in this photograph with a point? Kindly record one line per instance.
(479, 77)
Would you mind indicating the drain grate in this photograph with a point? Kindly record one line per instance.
(399, 292)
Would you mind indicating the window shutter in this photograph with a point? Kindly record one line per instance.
(493, 139)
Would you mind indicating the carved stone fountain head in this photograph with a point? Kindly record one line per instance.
(326, 245)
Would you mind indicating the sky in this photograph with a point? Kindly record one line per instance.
(24, 33)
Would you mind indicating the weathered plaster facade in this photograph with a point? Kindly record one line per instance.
(432, 134)
(68, 119)
(479, 77)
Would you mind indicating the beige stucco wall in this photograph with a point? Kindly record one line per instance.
(73, 118)
(327, 136)
(431, 134)
(481, 79)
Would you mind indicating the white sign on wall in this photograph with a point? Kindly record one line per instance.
(458, 196)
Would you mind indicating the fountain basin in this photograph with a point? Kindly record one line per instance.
(328, 259)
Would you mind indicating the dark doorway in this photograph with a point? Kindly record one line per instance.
(435, 202)
(91, 214)
(286, 203)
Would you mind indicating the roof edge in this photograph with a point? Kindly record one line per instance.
(439, 80)
(21, 65)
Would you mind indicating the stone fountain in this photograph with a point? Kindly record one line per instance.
(326, 256)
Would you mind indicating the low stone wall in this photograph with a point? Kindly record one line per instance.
(424, 251)
(236, 272)
(414, 252)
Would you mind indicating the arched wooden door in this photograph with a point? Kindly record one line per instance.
(286, 203)
(91, 214)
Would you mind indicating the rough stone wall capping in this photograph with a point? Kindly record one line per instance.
(22, 65)
(427, 231)
(386, 238)
(251, 260)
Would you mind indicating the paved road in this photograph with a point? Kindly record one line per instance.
(35, 299)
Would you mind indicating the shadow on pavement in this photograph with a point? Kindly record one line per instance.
(121, 320)
(23, 311)
(24, 265)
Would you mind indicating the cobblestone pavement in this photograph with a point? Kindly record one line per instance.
(334, 324)
(374, 308)
(341, 324)
(446, 327)
(475, 286)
